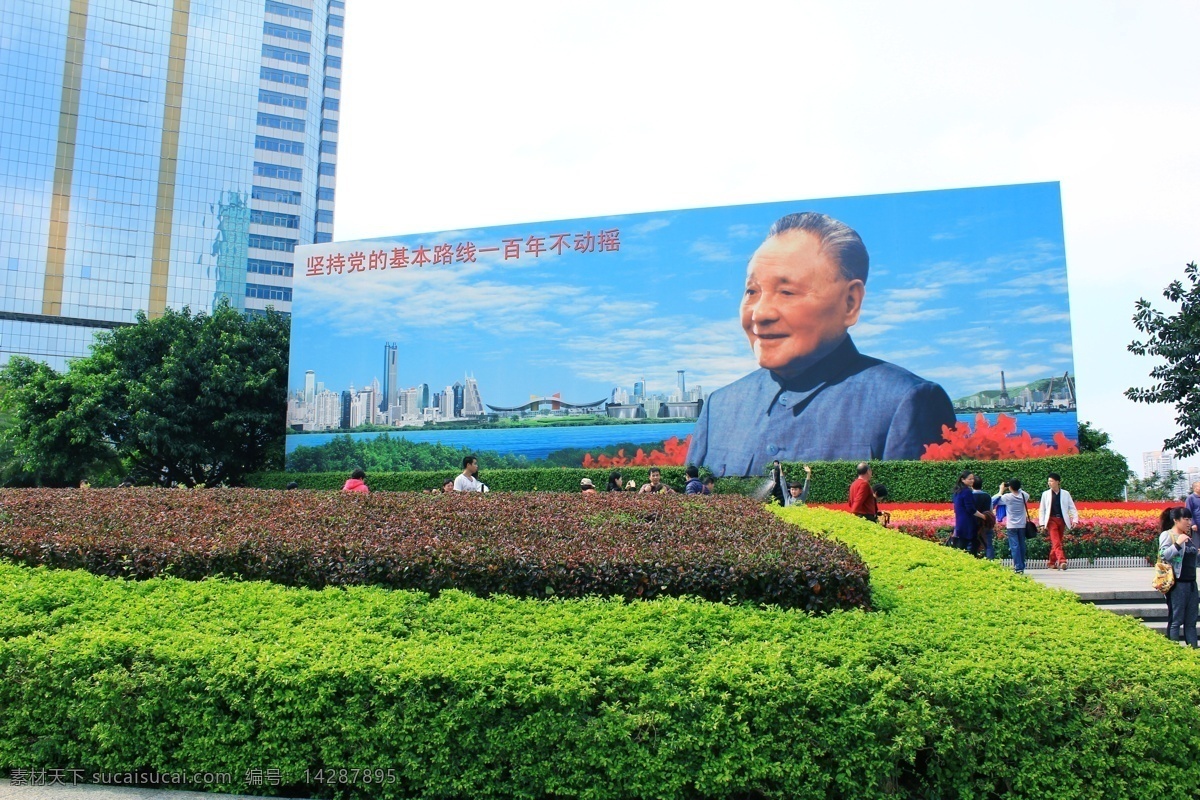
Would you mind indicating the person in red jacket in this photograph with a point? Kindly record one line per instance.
(862, 497)
(357, 482)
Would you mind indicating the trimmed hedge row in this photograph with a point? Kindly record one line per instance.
(725, 549)
(973, 683)
(1089, 476)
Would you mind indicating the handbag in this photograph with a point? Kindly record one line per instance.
(1031, 529)
(1164, 576)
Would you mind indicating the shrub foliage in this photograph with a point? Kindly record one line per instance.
(1088, 476)
(972, 683)
(632, 546)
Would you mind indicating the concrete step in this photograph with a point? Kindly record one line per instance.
(1143, 612)
(1141, 596)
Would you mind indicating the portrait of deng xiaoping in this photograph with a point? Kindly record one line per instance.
(727, 337)
(815, 397)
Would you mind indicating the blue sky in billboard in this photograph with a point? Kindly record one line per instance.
(963, 283)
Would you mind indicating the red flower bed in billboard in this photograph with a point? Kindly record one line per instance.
(727, 549)
(989, 442)
(673, 454)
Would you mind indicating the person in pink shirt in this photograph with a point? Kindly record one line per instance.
(357, 482)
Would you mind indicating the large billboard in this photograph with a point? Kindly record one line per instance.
(923, 325)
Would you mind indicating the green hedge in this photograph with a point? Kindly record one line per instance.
(1089, 476)
(973, 683)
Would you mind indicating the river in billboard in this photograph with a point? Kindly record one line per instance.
(927, 325)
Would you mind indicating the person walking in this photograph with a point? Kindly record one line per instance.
(966, 515)
(1192, 504)
(985, 531)
(466, 481)
(1014, 502)
(1056, 515)
(357, 483)
(862, 496)
(1177, 548)
(779, 484)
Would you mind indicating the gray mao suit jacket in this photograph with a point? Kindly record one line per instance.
(846, 407)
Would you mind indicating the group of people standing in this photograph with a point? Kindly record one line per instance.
(978, 513)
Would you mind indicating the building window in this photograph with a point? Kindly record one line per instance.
(272, 243)
(333, 41)
(325, 216)
(284, 32)
(333, 83)
(260, 267)
(337, 4)
(275, 195)
(284, 54)
(282, 123)
(336, 21)
(325, 193)
(279, 145)
(277, 171)
(332, 104)
(274, 218)
(258, 312)
(327, 169)
(333, 62)
(262, 292)
(283, 76)
(322, 238)
(285, 10)
(329, 125)
(281, 99)
(328, 146)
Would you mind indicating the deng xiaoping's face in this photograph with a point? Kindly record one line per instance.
(797, 304)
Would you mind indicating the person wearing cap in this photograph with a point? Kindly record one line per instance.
(586, 486)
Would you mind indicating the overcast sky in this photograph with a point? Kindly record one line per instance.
(460, 115)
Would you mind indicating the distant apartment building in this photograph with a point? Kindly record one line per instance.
(158, 154)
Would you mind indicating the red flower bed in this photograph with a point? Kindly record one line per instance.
(989, 442)
(536, 545)
(673, 454)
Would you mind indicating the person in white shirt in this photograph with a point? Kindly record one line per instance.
(1056, 516)
(467, 482)
(1016, 517)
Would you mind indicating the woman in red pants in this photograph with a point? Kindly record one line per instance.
(1056, 515)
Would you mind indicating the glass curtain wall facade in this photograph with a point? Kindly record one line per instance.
(158, 154)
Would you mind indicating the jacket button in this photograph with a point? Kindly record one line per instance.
(772, 449)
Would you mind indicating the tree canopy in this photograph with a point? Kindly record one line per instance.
(1092, 439)
(183, 399)
(1176, 340)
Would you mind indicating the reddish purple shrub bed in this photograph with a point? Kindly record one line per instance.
(727, 549)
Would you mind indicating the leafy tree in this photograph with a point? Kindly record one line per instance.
(1093, 440)
(1155, 487)
(51, 438)
(1176, 339)
(183, 399)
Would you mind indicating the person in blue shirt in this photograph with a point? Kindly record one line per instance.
(967, 516)
(1192, 504)
(815, 397)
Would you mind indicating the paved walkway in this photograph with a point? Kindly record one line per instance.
(1093, 582)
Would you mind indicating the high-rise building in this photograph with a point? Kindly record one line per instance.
(159, 154)
(680, 384)
(472, 401)
(639, 390)
(310, 386)
(1157, 462)
(423, 397)
(458, 399)
(390, 388)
